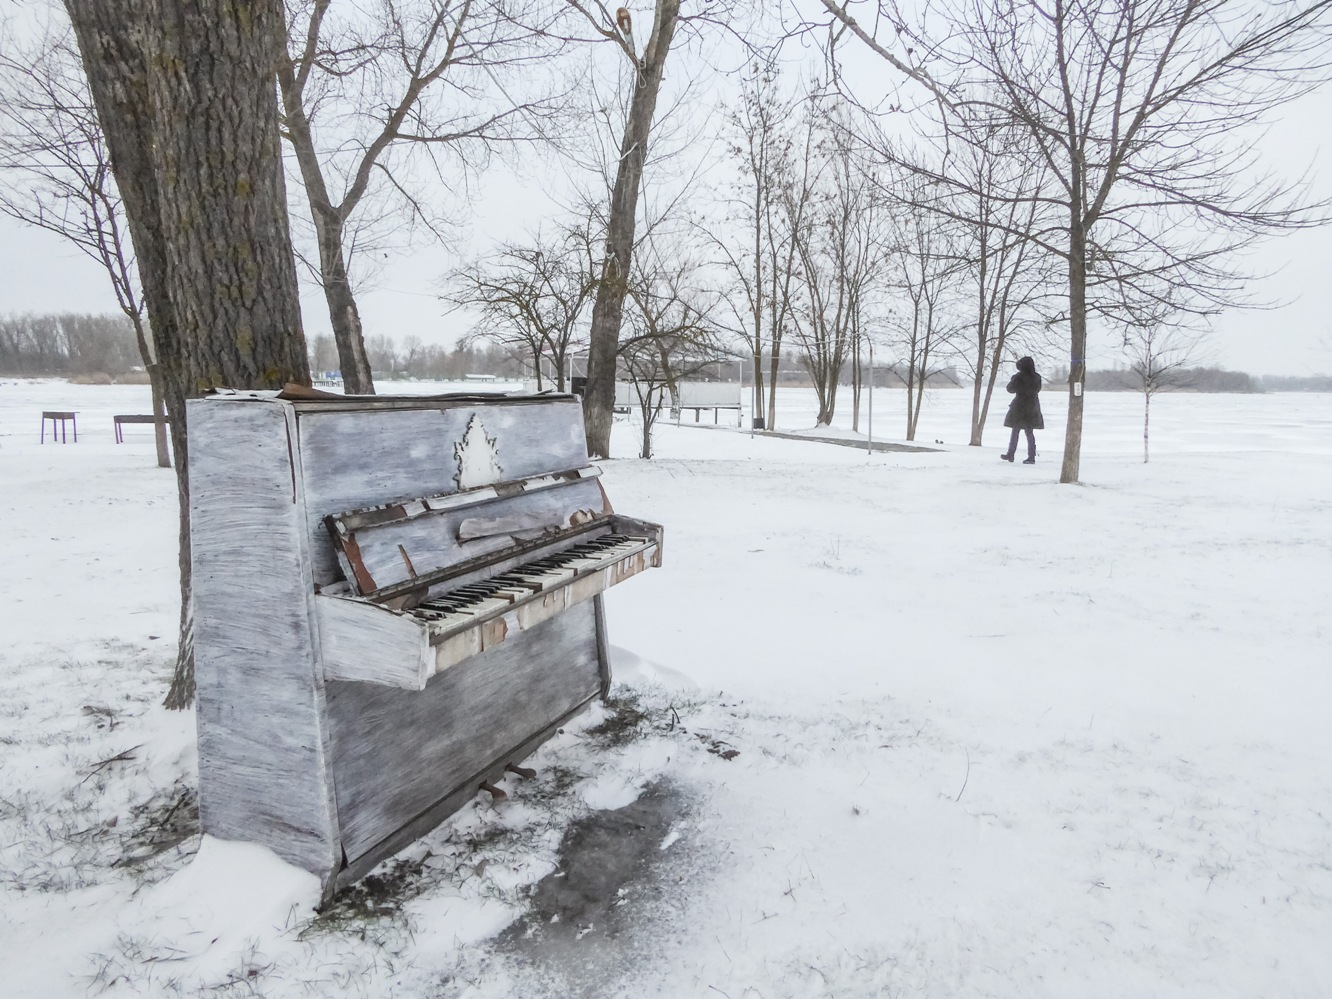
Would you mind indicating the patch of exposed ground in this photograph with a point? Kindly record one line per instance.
(623, 877)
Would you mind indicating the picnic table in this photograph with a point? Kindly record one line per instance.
(124, 418)
(61, 417)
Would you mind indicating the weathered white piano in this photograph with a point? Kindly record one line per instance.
(394, 600)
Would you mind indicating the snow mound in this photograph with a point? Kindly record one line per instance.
(210, 914)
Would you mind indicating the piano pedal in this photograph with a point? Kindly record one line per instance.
(526, 773)
(496, 794)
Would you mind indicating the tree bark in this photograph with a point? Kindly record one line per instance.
(185, 93)
(1077, 361)
(608, 309)
(1146, 422)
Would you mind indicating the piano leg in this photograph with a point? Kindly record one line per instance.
(603, 646)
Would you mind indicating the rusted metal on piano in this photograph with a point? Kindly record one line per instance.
(352, 694)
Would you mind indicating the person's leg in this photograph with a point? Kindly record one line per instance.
(1012, 446)
(1031, 447)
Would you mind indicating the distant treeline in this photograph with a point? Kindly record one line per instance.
(415, 359)
(1294, 383)
(1178, 380)
(69, 344)
(74, 344)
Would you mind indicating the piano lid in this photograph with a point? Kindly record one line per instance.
(303, 396)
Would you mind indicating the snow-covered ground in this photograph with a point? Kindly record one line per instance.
(921, 724)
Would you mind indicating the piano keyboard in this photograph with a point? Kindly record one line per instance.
(486, 598)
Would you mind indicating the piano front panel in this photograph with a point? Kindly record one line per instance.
(352, 459)
(397, 752)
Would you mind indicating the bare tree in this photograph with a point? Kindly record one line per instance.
(323, 354)
(839, 241)
(670, 334)
(924, 268)
(366, 91)
(763, 264)
(532, 297)
(1142, 112)
(992, 213)
(613, 285)
(1157, 357)
(186, 97)
(58, 178)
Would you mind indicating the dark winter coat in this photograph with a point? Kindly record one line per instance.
(1024, 412)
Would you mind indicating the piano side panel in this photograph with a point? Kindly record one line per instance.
(396, 752)
(431, 542)
(355, 459)
(262, 741)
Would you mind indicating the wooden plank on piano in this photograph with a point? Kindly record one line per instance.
(398, 752)
(263, 741)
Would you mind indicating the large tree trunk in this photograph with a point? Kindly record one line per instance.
(186, 99)
(608, 309)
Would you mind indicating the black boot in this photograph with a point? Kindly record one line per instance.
(1006, 457)
(1027, 461)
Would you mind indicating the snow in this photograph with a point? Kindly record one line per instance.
(988, 735)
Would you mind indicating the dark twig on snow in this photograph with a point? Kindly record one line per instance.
(967, 777)
(98, 767)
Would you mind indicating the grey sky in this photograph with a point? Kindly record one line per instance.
(40, 273)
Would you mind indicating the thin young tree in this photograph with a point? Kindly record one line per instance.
(763, 262)
(992, 214)
(57, 177)
(372, 96)
(531, 297)
(1144, 114)
(670, 334)
(923, 271)
(1158, 357)
(840, 240)
(186, 98)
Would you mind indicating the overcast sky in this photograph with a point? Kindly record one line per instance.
(39, 273)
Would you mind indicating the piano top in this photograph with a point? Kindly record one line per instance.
(303, 399)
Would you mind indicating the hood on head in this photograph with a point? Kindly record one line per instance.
(1026, 364)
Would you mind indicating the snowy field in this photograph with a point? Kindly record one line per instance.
(920, 725)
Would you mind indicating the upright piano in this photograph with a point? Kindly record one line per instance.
(395, 600)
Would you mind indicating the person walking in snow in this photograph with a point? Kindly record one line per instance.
(1024, 412)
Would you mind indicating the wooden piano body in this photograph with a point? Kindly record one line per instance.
(394, 599)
